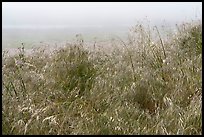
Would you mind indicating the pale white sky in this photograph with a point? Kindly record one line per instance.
(96, 13)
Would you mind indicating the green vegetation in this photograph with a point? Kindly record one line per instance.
(145, 85)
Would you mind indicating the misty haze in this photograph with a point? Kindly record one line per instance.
(58, 22)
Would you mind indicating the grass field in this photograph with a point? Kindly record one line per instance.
(143, 85)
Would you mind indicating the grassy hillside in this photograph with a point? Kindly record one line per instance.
(144, 85)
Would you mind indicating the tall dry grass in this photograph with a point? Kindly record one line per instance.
(145, 85)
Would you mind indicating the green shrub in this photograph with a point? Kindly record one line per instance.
(72, 68)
